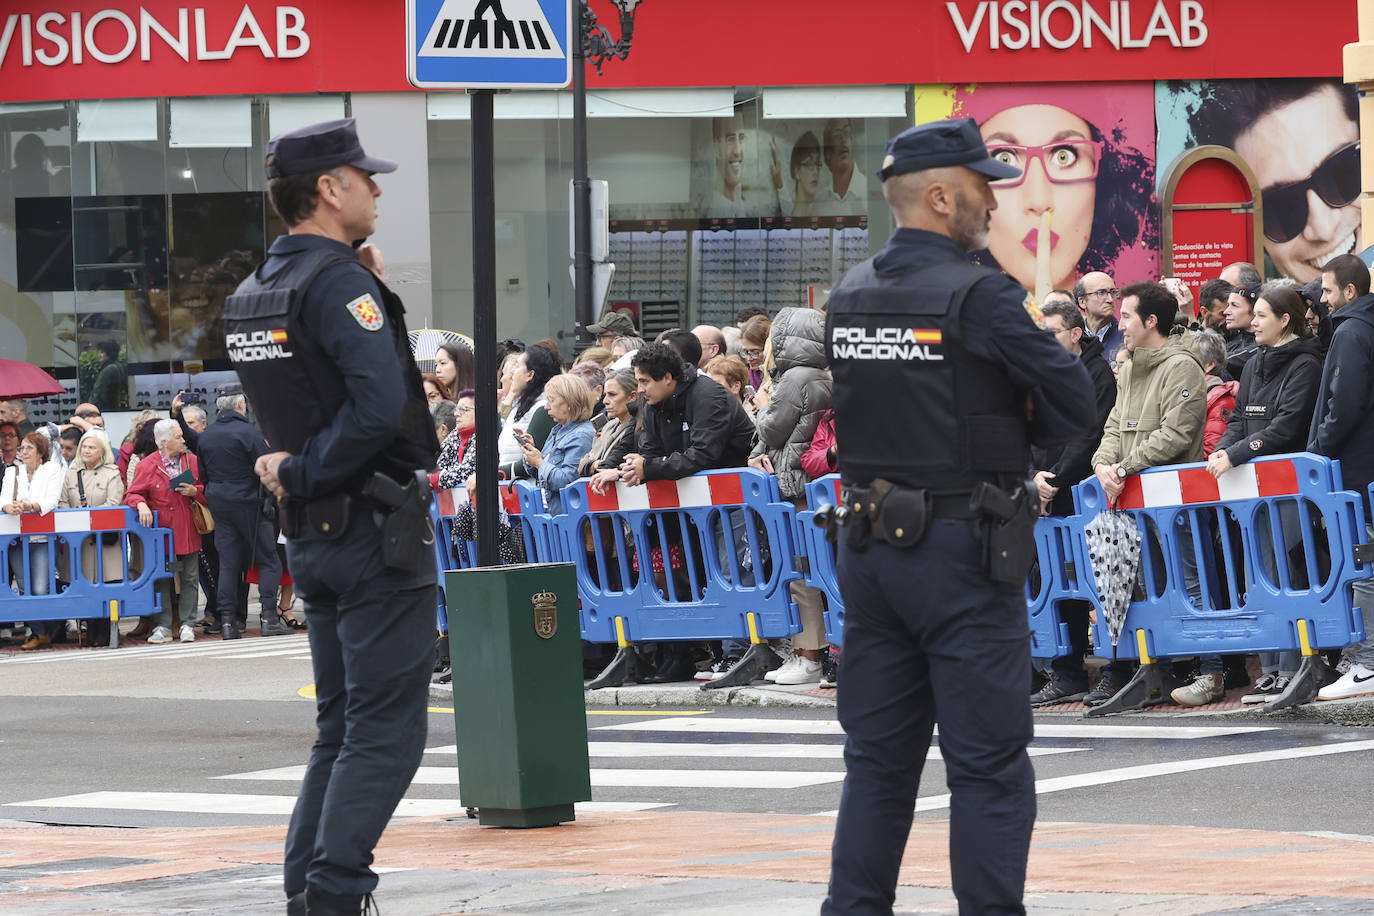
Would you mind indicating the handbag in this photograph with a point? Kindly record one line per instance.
(201, 518)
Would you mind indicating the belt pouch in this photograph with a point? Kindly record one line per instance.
(329, 515)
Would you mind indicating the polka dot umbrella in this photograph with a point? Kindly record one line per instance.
(1114, 552)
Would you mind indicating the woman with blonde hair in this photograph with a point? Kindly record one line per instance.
(93, 481)
(569, 402)
(753, 338)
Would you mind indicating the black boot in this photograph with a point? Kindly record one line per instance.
(295, 905)
(230, 630)
(271, 625)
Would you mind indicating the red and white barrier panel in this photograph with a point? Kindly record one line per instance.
(687, 493)
(65, 521)
(1188, 486)
(451, 499)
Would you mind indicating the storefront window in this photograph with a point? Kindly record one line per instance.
(715, 203)
(126, 223)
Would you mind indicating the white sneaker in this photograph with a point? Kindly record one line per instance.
(187, 634)
(1357, 682)
(160, 635)
(783, 652)
(800, 670)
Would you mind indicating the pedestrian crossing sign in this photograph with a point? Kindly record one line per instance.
(489, 44)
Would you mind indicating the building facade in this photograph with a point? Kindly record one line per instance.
(740, 141)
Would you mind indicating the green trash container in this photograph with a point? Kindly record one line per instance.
(518, 702)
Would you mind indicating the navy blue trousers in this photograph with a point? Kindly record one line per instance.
(244, 538)
(928, 639)
(372, 646)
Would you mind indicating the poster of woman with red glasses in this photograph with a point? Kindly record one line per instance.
(1084, 201)
(1301, 139)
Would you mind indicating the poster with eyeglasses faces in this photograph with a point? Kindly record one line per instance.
(749, 172)
(1084, 201)
(1300, 137)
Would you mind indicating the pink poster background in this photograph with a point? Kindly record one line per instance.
(1110, 223)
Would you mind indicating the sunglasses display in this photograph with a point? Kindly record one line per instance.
(1336, 181)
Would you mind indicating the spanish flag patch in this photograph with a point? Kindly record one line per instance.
(926, 336)
(365, 311)
(1033, 310)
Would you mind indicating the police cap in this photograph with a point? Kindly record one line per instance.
(320, 147)
(940, 144)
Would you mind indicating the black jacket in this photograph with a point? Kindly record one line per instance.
(1240, 348)
(700, 427)
(1072, 463)
(1341, 423)
(229, 447)
(1273, 412)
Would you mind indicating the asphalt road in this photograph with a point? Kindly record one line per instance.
(214, 734)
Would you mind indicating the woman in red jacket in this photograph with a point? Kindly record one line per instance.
(152, 491)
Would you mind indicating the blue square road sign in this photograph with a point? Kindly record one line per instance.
(489, 44)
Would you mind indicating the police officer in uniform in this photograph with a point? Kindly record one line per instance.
(319, 343)
(229, 449)
(937, 522)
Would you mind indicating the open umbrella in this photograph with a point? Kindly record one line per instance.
(25, 380)
(1114, 551)
(425, 343)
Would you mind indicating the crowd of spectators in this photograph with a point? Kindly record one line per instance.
(159, 467)
(1250, 369)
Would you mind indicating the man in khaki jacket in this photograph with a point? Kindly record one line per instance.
(1160, 412)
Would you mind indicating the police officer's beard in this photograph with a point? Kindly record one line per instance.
(969, 224)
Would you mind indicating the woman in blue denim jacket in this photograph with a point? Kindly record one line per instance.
(569, 402)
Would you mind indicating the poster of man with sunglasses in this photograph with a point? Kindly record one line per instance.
(1301, 139)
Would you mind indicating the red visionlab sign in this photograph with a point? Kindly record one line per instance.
(61, 49)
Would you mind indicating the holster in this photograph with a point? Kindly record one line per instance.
(401, 512)
(1008, 530)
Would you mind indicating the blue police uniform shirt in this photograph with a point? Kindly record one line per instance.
(995, 326)
(366, 357)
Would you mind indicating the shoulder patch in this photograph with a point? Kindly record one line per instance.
(366, 312)
(1033, 310)
(1184, 394)
(1256, 444)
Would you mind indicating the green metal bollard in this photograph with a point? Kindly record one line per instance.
(517, 693)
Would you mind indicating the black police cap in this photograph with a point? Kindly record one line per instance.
(320, 147)
(940, 144)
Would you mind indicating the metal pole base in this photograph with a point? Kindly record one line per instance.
(759, 659)
(1146, 688)
(1311, 677)
(624, 667)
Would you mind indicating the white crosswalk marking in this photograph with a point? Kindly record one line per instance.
(683, 779)
(629, 749)
(249, 647)
(831, 727)
(753, 762)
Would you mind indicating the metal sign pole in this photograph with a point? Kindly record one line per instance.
(584, 310)
(484, 320)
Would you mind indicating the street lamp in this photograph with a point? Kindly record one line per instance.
(598, 47)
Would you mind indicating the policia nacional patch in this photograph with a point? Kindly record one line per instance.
(365, 311)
